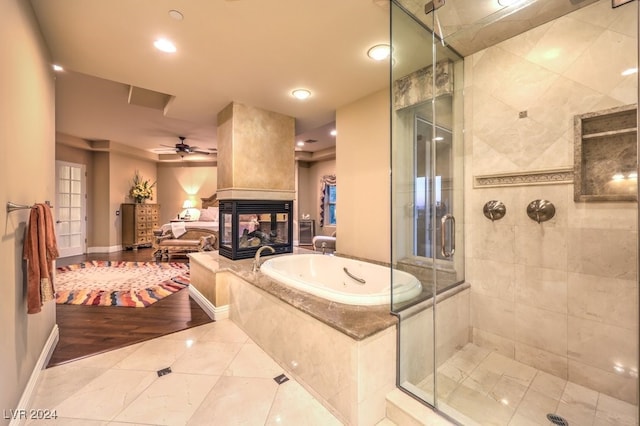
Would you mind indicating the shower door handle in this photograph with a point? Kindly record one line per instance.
(443, 235)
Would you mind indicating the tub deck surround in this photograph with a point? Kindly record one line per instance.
(357, 322)
(344, 355)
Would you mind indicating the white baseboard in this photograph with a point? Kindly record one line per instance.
(215, 312)
(108, 249)
(41, 363)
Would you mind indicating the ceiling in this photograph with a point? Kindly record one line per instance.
(117, 87)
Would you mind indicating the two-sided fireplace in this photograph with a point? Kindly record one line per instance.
(247, 225)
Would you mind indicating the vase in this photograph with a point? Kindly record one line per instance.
(139, 200)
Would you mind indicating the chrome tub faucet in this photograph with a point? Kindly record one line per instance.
(256, 259)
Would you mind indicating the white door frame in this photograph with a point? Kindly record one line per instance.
(63, 248)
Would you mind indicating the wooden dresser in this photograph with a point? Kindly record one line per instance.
(138, 223)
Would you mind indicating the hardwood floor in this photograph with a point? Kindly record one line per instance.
(89, 330)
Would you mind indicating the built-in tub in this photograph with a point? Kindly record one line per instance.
(341, 279)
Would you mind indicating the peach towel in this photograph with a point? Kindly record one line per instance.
(40, 250)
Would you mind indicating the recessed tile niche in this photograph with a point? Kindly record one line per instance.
(605, 158)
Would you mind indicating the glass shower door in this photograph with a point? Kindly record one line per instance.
(433, 195)
(427, 194)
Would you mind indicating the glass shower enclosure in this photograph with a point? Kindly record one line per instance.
(527, 316)
(427, 197)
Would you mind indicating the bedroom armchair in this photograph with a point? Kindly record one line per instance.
(324, 243)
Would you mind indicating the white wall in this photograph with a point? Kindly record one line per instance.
(27, 168)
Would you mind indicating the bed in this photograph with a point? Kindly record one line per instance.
(179, 238)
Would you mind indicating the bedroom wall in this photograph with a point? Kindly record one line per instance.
(121, 171)
(100, 203)
(182, 181)
(27, 159)
(362, 171)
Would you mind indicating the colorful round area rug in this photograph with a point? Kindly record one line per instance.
(107, 283)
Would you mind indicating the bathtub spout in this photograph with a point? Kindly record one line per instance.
(256, 259)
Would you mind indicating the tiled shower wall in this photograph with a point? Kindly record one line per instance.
(561, 295)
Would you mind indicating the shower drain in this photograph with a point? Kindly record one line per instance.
(557, 420)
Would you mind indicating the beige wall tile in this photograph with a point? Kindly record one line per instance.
(527, 278)
(604, 346)
(493, 315)
(542, 359)
(608, 382)
(541, 246)
(376, 364)
(452, 325)
(502, 345)
(599, 66)
(562, 43)
(612, 301)
(419, 364)
(541, 329)
(603, 252)
(494, 243)
(541, 288)
(494, 279)
(614, 215)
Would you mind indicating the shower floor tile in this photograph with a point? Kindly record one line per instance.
(493, 389)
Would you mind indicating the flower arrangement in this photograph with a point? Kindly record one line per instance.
(142, 189)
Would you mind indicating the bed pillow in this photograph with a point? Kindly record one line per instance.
(209, 214)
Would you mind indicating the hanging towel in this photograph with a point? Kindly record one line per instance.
(40, 250)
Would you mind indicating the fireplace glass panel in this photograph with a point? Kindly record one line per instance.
(246, 226)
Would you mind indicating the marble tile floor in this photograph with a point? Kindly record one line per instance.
(218, 376)
(493, 389)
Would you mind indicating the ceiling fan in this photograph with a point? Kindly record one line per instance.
(182, 148)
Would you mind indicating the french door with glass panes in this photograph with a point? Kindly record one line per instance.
(70, 208)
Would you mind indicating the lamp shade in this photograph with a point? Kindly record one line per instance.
(187, 204)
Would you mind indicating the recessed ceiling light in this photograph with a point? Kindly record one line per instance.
(379, 52)
(630, 71)
(165, 45)
(175, 14)
(300, 143)
(301, 94)
(508, 2)
(334, 132)
(57, 67)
